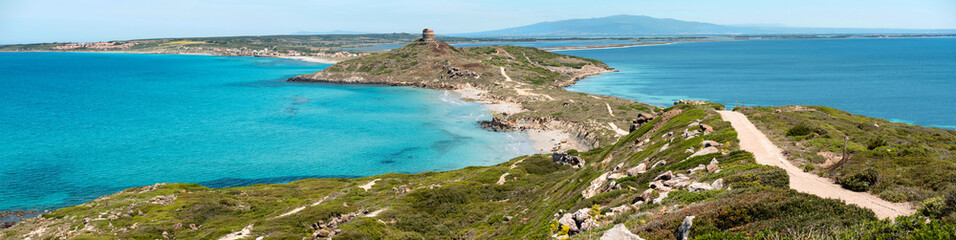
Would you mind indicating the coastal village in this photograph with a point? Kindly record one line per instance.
(184, 47)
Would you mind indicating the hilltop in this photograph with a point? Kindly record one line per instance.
(522, 85)
(673, 173)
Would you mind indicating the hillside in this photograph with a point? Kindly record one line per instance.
(896, 161)
(675, 172)
(526, 82)
(632, 25)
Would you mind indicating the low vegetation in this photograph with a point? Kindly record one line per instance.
(896, 161)
(683, 161)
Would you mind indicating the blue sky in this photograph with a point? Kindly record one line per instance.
(27, 21)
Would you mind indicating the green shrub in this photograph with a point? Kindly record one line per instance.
(874, 143)
(572, 152)
(799, 130)
(761, 176)
(808, 167)
(861, 181)
(933, 207)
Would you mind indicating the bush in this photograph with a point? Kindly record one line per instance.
(874, 143)
(808, 167)
(761, 176)
(933, 207)
(799, 130)
(861, 181)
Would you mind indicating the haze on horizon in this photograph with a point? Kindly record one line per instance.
(32, 21)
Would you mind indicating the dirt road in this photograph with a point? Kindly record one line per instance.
(752, 140)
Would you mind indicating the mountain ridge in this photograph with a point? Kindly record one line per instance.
(640, 25)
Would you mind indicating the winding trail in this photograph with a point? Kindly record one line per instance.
(766, 153)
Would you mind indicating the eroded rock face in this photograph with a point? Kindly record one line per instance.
(620, 232)
(568, 159)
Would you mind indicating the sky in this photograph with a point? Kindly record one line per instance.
(31, 21)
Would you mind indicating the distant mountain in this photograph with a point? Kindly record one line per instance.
(334, 32)
(632, 25)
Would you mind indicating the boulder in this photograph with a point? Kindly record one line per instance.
(713, 165)
(618, 167)
(658, 164)
(683, 232)
(706, 128)
(634, 171)
(704, 151)
(621, 208)
(665, 176)
(718, 184)
(664, 147)
(615, 176)
(659, 186)
(589, 224)
(619, 232)
(568, 220)
(689, 134)
(710, 143)
(644, 197)
(598, 185)
(699, 168)
(567, 159)
(699, 187)
(660, 198)
(582, 214)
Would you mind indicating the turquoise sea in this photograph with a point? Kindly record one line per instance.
(78, 126)
(911, 80)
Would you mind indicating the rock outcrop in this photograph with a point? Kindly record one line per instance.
(620, 232)
(567, 160)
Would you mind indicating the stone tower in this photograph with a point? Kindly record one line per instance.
(428, 35)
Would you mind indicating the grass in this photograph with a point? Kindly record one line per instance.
(896, 161)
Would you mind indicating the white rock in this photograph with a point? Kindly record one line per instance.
(619, 232)
(718, 184)
(598, 185)
(699, 187)
(705, 151)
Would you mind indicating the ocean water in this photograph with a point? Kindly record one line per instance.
(77, 126)
(910, 80)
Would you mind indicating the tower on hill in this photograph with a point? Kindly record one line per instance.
(428, 35)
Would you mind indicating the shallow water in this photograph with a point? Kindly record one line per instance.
(77, 126)
(911, 80)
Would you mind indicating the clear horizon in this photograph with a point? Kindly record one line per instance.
(101, 20)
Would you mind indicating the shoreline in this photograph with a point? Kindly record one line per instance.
(299, 58)
(542, 140)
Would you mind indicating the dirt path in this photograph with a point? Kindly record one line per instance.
(752, 140)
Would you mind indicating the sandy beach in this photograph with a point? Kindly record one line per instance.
(542, 140)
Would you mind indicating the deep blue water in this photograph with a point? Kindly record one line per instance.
(77, 126)
(911, 80)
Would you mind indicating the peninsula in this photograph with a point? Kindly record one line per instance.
(612, 169)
